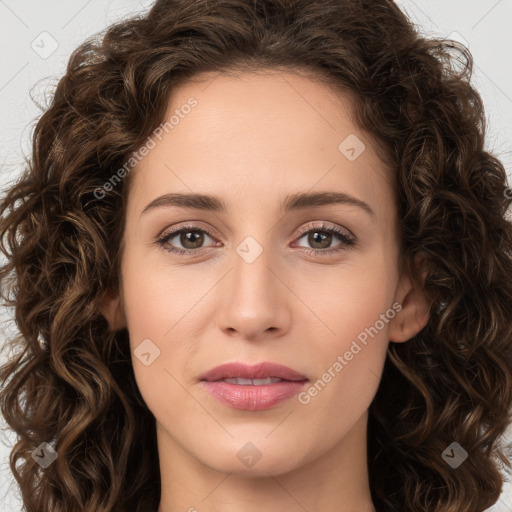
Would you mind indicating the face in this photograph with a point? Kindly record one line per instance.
(271, 277)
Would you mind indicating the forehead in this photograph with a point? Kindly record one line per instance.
(260, 134)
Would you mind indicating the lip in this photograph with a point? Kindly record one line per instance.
(252, 397)
(257, 371)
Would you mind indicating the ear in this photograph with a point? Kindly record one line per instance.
(415, 311)
(111, 308)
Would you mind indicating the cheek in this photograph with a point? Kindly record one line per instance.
(348, 366)
(154, 297)
(348, 299)
(161, 307)
(353, 310)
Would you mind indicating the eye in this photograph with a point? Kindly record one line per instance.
(192, 238)
(320, 238)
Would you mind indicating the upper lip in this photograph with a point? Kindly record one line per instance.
(258, 371)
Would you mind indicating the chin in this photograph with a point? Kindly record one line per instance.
(253, 458)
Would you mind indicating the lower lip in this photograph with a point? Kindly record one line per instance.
(253, 398)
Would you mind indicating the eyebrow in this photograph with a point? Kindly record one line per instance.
(293, 202)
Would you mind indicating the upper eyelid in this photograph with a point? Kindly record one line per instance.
(197, 225)
(325, 226)
(187, 225)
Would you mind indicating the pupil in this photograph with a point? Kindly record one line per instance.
(188, 236)
(314, 238)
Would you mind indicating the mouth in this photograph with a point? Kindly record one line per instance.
(252, 382)
(252, 388)
(252, 375)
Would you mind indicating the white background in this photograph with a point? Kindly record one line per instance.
(485, 25)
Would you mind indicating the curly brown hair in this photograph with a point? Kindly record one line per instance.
(451, 382)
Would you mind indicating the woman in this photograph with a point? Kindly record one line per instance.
(260, 260)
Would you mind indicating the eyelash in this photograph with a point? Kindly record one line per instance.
(347, 241)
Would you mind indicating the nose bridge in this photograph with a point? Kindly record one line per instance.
(252, 276)
(253, 301)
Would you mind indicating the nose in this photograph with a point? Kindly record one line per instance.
(254, 299)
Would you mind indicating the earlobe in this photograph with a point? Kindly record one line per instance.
(112, 310)
(415, 312)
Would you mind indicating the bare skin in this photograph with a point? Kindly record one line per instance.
(252, 140)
